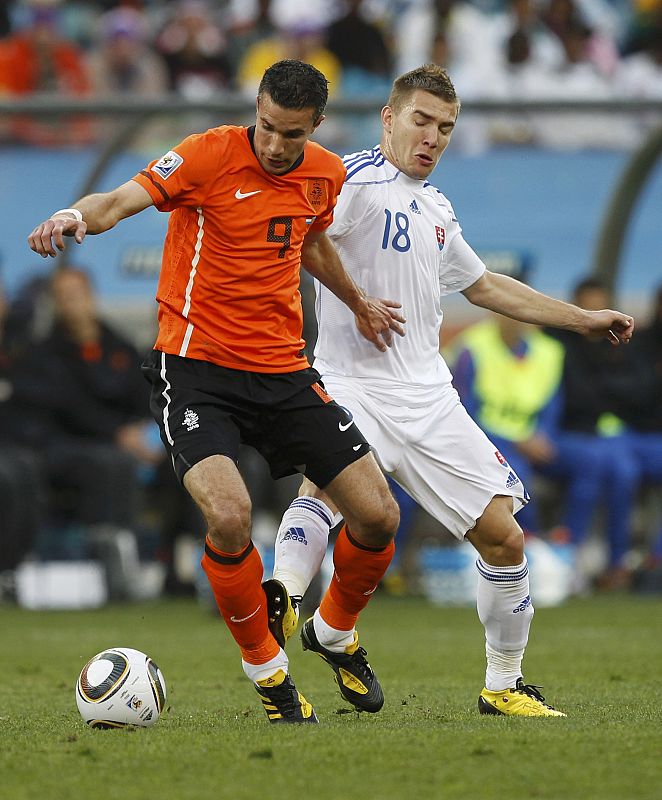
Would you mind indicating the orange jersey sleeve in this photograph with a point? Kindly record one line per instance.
(229, 285)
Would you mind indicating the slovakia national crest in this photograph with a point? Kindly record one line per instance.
(441, 236)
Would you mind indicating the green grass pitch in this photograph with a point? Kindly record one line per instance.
(599, 659)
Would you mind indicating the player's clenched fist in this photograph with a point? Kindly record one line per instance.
(48, 236)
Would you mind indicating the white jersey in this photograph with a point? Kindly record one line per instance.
(399, 239)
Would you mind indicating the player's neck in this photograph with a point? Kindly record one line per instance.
(385, 149)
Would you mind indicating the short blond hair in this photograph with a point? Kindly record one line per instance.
(429, 78)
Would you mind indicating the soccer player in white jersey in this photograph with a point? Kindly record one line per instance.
(397, 236)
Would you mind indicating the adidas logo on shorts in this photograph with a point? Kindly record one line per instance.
(511, 480)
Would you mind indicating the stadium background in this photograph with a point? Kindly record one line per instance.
(532, 169)
(524, 185)
(536, 185)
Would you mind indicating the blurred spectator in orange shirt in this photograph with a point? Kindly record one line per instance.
(37, 59)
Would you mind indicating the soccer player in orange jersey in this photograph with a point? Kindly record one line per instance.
(228, 365)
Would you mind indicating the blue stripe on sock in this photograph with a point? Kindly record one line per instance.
(501, 577)
(310, 504)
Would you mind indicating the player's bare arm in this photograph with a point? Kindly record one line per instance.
(376, 318)
(98, 212)
(511, 298)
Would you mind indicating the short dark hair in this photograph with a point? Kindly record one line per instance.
(294, 84)
(429, 78)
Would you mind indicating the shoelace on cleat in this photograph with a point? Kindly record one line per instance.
(284, 697)
(531, 690)
(358, 658)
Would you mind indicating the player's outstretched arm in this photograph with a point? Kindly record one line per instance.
(94, 213)
(376, 319)
(511, 298)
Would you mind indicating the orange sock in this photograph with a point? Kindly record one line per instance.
(236, 580)
(357, 572)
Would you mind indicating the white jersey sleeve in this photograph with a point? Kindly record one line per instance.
(463, 267)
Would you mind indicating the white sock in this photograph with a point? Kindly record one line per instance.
(506, 611)
(259, 672)
(331, 638)
(301, 543)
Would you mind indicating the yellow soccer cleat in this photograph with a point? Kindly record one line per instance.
(282, 701)
(282, 611)
(522, 701)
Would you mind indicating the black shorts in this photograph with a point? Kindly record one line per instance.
(203, 409)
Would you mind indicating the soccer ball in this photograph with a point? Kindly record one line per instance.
(120, 687)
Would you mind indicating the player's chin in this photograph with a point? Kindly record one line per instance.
(422, 170)
(276, 167)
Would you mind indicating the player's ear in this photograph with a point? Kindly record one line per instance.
(387, 118)
(318, 121)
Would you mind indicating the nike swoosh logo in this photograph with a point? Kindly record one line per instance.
(357, 447)
(243, 619)
(344, 427)
(240, 195)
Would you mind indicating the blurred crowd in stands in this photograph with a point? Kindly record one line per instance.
(79, 451)
(77, 445)
(581, 414)
(200, 49)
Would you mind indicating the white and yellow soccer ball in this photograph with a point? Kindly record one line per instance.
(120, 687)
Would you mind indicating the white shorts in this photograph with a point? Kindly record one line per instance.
(436, 452)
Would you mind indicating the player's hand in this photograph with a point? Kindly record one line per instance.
(378, 319)
(614, 326)
(48, 236)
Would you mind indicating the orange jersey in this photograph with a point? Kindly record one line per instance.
(229, 285)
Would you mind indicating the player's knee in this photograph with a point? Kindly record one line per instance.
(378, 524)
(229, 526)
(511, 547)
(499, 541)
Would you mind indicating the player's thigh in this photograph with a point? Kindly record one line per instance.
(218, 489)
(363, 497)
(308, 489)
(381, 424)
(309, 433)
(199, 422)
(453, 470)
(195, 422)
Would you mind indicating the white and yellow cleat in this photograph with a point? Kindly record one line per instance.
(522, 701)
(282, 701)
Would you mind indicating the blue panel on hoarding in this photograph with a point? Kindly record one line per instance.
(545, 203)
